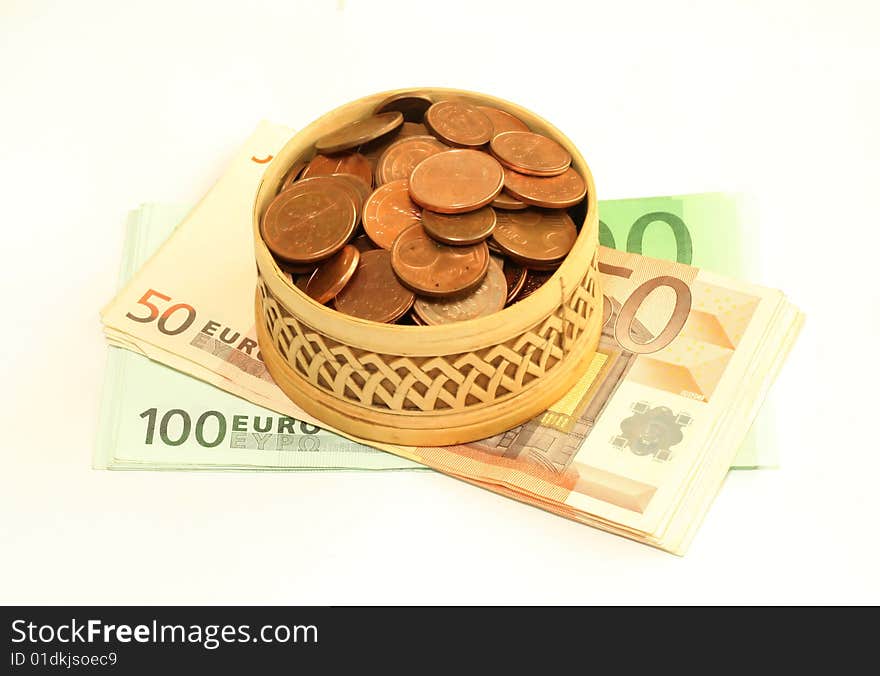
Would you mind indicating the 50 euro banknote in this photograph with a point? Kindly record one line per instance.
(154, 417)
(638, 447)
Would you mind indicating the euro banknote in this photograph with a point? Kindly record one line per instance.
(154, 417)
(713, 231)
(640, 445)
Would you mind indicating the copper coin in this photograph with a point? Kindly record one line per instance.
(433, 269)
(534, 281)
(412, 129)
(530, 153)
(459, 229)
(412, 106)
(359, 132)
(373, 150)
(488, 298)
(361, 190)
(535, 265)
(310, 221)
(415, 319)
(515, 275)
(501, 121)
(507, 202)
(363, 243)
(494, 248)
(374, 291)
(555, 192)
(456, 181)
(402, 156)
(535, 236)
(459, 123)
(354, 186)
(301, 281)
(343, 163)
(333, 274)
(388, 212)
(296, 270)
(292, 174)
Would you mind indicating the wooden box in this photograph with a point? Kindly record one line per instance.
(428, 385)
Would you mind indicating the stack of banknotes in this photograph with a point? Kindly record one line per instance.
(639, 447)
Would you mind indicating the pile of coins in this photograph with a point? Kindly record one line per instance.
(426, 212)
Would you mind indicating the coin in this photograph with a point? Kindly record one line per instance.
(537, 267)
(401, 157)
(546, 266)
(515, 275)
(359, 132)
(310, 221)
(374, 292)
(555, 192)
(459, 229)
(301, 281)
(363, 243)
(296, 270)
(374, 149)
(433, 269)
(489, 297)
(292, 174)
(534, 281)
(506, 201)
(362, 190)
(388, 212)
(530, 153)
(352, 185)
(412, 106)
(459, 124)
(343, 163)
(456, 181)
(333, 274)
(412, 129)
(535, 237)
(502, 121)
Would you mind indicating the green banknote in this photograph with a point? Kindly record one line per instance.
(713, 231)
(153, 417)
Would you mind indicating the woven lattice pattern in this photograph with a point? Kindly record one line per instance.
(456, 381)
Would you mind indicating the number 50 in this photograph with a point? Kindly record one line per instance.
(156, 313)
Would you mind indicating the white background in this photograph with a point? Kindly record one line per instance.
(108, 104)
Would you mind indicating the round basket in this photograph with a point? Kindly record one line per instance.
(428, 385)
